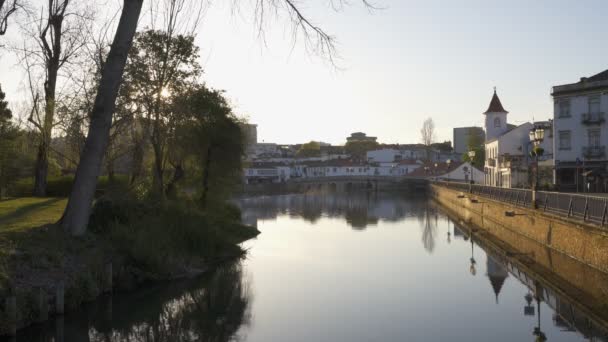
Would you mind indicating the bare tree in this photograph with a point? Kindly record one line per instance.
(78, 210)
(56, 42)
(7, 8)
(427, 135)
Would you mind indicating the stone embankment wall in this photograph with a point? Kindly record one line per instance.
(584, 242)
(571, 253)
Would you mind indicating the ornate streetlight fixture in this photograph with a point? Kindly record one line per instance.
(471, 158)
(537, 135)
(448, 162)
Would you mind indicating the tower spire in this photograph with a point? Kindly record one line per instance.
(495, 105)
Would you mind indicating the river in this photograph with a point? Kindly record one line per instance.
(341, 267)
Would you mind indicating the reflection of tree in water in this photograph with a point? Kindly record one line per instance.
(429, 228)
(211, 313)
(360, 209)
(210, 309)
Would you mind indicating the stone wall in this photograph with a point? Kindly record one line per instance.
(571, 255)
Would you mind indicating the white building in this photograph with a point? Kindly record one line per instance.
(581, 134)
(454, 171)
(390, 155)
(506, 148)
(266, 173)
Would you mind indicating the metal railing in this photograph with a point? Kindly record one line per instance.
(594, 151)
(592, 118)
(587, 208)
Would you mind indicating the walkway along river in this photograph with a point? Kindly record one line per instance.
(355, 267)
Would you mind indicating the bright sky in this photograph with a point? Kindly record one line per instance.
(400, 65)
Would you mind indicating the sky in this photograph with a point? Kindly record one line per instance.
(398, 65)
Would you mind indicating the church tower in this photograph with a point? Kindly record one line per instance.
(496, 119)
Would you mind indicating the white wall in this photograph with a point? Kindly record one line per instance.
(493, 132)
(579, 104)
(459, 174)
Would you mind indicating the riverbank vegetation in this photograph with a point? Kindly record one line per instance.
(160, 209)
(131, 156)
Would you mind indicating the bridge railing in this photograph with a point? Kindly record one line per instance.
(587, 208)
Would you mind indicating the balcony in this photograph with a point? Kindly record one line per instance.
(594, 151)
(592, 118)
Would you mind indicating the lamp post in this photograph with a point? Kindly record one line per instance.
(471, 158)
(537, 135)
(448, 162)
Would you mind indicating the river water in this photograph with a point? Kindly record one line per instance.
(342, 267)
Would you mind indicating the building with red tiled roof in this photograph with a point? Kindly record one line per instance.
(453, 171)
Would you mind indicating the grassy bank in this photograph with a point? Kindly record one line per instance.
(143, 241)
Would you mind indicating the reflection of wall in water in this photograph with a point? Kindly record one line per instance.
(565, 314)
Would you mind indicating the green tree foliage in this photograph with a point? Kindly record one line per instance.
(358, 149)
(161, 67)
(310, 149)
(218, 141)
(15, 161)
(475, 142)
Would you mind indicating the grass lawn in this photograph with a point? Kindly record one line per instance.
(21, 214)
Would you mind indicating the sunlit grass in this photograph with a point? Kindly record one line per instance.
(30, 212)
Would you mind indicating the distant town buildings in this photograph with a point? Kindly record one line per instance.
(250, 131)
(360, 136)
(571, 156)
(581, 134)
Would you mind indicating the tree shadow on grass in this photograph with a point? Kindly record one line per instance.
(22, 212)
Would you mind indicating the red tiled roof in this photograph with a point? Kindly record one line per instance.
(408, 162)
(495, 105)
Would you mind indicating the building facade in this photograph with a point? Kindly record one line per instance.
(506, 148)
(581, 134)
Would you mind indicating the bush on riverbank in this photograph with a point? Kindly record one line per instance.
(164, 239)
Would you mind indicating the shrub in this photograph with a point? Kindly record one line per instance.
(158, 238)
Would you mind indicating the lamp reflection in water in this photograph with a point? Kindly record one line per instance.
(449, 234)
(540, 336)
(472, 268)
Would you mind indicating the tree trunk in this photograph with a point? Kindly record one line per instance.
(76, 216)
(206, 178)
(159, 185)
(178, 174)
(138, 160)
(42, 168)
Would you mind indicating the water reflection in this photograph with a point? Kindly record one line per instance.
(359, 209)
(210, 309)
(566, 314)
(402, 280)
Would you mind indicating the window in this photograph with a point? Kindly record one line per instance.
(594, 104)
(564, 140)
(594, 137)
(497, 123)
(564, 108)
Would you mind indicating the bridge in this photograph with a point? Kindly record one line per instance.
(350, 183)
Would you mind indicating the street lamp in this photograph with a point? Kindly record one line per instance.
(448, 162)
(471, 158)
(537, 135)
